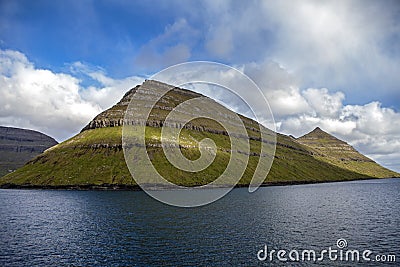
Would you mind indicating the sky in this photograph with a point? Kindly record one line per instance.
(332, 64)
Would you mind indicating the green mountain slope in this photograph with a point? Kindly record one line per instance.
(328, 148)
(95, 157)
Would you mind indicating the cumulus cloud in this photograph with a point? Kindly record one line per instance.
(370, 128)
(54, 103)
(279, 86)
(324, 104)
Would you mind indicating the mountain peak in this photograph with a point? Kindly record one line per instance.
(114, 116)
(329, 146)
(319, 135)
(318, 131)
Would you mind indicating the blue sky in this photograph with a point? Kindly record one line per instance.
(333, 64)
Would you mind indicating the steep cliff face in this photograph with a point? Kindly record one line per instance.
(112, 117)
(94, 157)
(18, 146)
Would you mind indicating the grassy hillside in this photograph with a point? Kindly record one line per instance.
(328, 148)
(95, 156)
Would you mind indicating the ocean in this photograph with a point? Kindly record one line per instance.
(129, 228)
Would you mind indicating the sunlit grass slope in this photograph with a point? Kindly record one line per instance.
(95, 157)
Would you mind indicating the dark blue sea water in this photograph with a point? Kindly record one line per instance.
(126, 228)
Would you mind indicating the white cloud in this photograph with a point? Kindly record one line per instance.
(54, 103)
(279, 87)
(370, 128)
(324, 103)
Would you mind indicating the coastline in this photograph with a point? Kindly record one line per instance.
(116, 187)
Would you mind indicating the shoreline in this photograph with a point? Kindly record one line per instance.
(114, 187)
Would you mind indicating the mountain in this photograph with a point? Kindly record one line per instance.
(18, 146)
(330, 149)
(94, 157)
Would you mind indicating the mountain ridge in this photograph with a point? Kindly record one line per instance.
(18, 146)
(94, 157)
